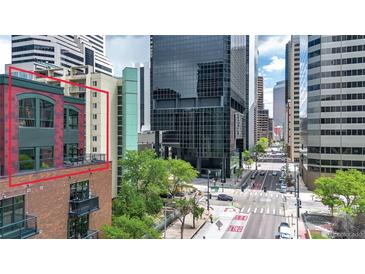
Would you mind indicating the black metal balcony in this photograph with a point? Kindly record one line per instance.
(87, 159)
(92, 234)
(80, 207)
(20, 230)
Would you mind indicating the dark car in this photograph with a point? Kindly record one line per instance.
(262, 173)
(224, 197)
(253, 176)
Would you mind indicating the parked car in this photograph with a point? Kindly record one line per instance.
(253, 176)
(274, 173)
(283, 189)
(225, 197)
(262, 173)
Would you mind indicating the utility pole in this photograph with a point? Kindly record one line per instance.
(208, 194)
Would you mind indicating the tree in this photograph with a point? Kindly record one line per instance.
(129, 202)
(327, 190)
(239, 172)
(260, 148)
(124, 227)
(181, 176)
(345, 190)
(184, 206)
(197, 210)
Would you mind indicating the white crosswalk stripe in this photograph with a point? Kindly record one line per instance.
(248, 210)
(268, 211)
(273, 211)
(262, 210)
(243, 209)
(255, 210)
(260, 194)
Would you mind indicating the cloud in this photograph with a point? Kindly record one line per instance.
(127, 50)
(5, 52)
(276, 64)
(269, 44)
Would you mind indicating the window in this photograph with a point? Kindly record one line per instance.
(46, 157)
(70, 152)
(27, 110)
(95, 116)
(95, 105)
(95, 94)
(95, 83)
(11, 211)
(78, 227)
(26, 159)
(73, 119)
(95, 138)
(79, 191)
(95, 127)
(47, 113)
(95, 149)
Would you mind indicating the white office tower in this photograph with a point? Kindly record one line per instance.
(336, 104)
(143, 98)
(292, 96)
(33, 52)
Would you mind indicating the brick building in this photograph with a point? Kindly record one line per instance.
(48, 141)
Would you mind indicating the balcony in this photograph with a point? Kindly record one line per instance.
(20, 230)
(87, 159)
(85, 206)
(92, 234)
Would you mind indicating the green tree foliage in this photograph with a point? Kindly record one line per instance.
(197, 210)
(184, 206)
(346, 190)
(181, 176)
(125, 227)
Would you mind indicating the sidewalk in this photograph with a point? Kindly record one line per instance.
(174, 230)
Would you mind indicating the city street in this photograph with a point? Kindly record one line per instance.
(254, 213)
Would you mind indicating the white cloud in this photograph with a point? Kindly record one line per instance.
(127, 50)
(5, 52)
(276, 64)
(269, 44)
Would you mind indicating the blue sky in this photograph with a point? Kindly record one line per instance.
(126, 50)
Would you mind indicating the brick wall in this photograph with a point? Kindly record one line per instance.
(49, 200)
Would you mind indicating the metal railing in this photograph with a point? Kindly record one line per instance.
(92, 234)
(20, 230)
(84, 206)
(89, 158)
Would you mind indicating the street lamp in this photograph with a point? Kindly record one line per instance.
(208, 194)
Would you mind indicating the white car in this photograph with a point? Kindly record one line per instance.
(284, 231)
(274, 173)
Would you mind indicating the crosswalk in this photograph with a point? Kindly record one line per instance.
(263, 210)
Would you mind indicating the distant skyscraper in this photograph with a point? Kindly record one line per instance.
(198, 99)
(279, 106)
(64, 51)
(262, 115)
(336, 104)
(292, 97)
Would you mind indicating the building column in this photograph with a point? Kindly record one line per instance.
(199, 164)
(166, 152)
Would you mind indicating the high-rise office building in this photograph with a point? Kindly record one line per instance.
(262, 114)
(143, 97)
(66, 51)
(198, 99)
(292, 71)
(48, 141)
(336, 104)
(279, 106)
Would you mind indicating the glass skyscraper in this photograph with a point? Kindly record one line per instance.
(198, 99)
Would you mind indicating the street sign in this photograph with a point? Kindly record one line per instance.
(219, 224)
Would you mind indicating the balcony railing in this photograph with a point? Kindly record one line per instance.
(87, 159)
(77, 89)
(92, 234)
(84, 206)
(20, 230)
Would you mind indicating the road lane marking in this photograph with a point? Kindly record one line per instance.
(242, 209)
(260, 194)
(271, 195)
(248, 210)
(273, 211)
(268, 211)
(280, 212)
(255, 210)
(262, 210)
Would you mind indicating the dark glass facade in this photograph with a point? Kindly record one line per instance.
(198, 98)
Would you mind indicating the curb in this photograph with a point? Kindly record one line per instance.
(306, 226)
(200, 227)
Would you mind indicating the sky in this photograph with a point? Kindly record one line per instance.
(127, 50)
(271, 64)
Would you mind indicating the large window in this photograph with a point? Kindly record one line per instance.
(36, 112)
(27, 159)
(11, 210)
(46, 114)
(70, 152)
(46, 157)
(27, 112)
